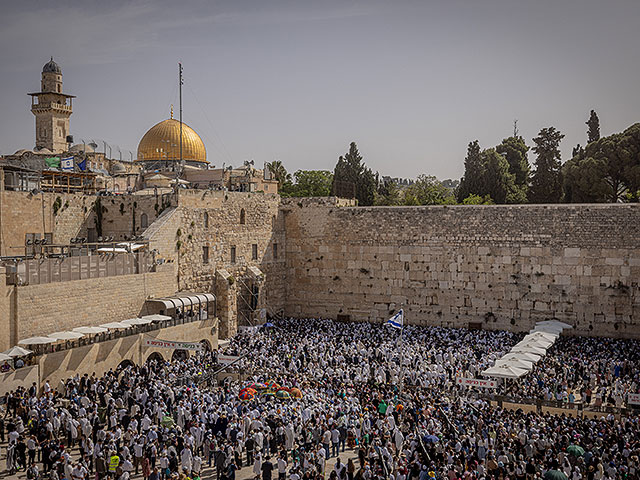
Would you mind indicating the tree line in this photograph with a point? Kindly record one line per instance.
(606, 169)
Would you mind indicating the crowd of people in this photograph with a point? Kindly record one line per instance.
(376, 403)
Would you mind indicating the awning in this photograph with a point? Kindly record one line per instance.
(256, 272)
(184, 300)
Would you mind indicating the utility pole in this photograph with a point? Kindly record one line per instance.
(515, 128)
(180, 78)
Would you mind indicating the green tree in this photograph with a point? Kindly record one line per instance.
(352, 178)
(546, 181)
(279, 173)
(471, 182)
(593, 133)
(428, 190)
(497, 181)
(515, 151)
(310, 183)
(477, 200)
(388, 193)
(607, 170)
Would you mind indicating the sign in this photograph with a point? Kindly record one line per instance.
(476, 382)
(633, 398)
(154, 342)
(227, 359)
(67, 164)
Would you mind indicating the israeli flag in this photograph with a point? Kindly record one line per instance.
(66, 164)
(397, 320)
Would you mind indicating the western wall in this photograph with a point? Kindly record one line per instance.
(494, 267)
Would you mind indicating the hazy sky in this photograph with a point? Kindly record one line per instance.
(412, 82)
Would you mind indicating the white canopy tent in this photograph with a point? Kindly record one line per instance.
(548, 329)
(66, 335)
(548, 336)
(529, 349)
(504, 371)
(90, 330)
(37, 341)
(115, 325)
(535, 342)
(556, 323)
(137, 321)
(514, 362)
(17, 352)
(157, 317)
(528, 357)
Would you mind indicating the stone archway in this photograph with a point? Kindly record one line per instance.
(155, 356)
(124, 364)
(179, 355)
(206, 345)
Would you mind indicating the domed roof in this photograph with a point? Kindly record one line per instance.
(51, 67)
(162, 142)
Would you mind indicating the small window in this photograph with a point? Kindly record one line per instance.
(273, 222)
(205, 254)
(206, 220)
(144, 220)
(275, 251)
(242, 217)
(233, 254)
(254, 251)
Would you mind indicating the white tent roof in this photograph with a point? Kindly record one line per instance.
(157, 317)
(504, 371)
(37, 341)
(529, 357)
(547, 328)
(555, 322)
(115, 325)
(90, 330)
(529, 349)
(66, 335)
(548, 336)
(5, 358)
(536, 342)
(137, 321)
(112, 250)
(514, 362)
(17, 352)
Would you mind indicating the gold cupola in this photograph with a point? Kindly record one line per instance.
(161, 143)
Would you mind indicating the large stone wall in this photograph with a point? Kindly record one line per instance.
(501, 266)
(66, 216)
(47, 308)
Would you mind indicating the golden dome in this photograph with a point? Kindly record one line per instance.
(162, 142)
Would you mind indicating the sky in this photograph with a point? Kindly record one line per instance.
(411, 82)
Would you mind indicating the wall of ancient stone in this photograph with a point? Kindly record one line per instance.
(504, 267)
(48, 308)
(66, 216)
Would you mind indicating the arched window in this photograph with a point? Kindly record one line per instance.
(242, 217)
(144, 220)
(206, 220)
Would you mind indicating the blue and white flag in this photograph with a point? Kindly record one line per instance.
(397, 320)
(66, 164)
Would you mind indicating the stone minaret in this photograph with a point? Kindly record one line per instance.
(52, 109)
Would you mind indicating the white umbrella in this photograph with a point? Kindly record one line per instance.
(37, 341)
(17, 352)
(529, 349)
(66, 335)
(137, 321)
(5, 358)
(90, 330)
(115, 325)
(157, 317)
(555, 322)
(528, 357)
(504, 371)
(514, 362)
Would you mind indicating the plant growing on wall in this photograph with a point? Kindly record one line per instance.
(98, 209)
(56, 205)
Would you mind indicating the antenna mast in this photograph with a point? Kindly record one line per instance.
(180, 83)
